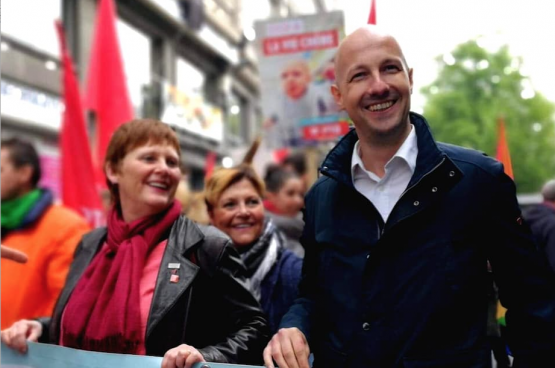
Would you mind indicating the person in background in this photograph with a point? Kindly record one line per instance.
(297, 162)
(234, 200)
(541, 218)
(152, 282)
(398, 232)
(197, 209)
(284, 202)
(284, 191)
(183, 192)
(183, 195)
(34, 225)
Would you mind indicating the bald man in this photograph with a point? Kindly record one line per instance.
(398, 232)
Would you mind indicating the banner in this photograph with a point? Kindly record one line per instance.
(296, 61)
(189, 110)
(53, 356)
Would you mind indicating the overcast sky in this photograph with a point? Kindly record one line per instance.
(427, 28)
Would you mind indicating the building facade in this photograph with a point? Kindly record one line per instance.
(187, 63)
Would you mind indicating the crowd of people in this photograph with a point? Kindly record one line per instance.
(392, 258)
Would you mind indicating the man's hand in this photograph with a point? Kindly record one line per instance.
(14, 255)
(288, 348)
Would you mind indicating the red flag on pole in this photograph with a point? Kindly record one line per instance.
(372, 16)
(78, 185)
(107, 93)
(504, 157)
(503, 154)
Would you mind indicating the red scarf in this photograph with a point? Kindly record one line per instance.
(103, 313)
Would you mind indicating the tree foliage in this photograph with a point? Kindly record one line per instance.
(476, 87)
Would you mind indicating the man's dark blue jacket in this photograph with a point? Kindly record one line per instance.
(413, 292)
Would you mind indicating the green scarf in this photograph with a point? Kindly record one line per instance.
(14, 210)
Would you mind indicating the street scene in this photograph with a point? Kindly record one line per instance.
(277, 183)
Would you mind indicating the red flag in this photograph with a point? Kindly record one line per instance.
(372, 16)
(281, 154)
(78, 185)
(209, 164)
(503, 154)
(107, 93)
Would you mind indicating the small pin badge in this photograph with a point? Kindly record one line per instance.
(174, 278)
(175, 266)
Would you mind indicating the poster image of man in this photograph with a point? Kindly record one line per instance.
(299, 99)
(296, 68)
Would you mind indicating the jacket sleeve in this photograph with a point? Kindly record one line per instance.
(526, 283)
(246, 344)
(300, 314)
(45, 323)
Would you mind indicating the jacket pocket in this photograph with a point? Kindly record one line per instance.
(329, 357)
(474, 358)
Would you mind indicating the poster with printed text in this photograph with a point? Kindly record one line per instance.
(296, 61)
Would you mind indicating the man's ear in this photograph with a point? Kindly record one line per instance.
(337, 96)
(410, 79)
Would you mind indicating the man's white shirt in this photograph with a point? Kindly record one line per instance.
(385, 192)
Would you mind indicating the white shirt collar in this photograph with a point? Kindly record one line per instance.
(407, 152)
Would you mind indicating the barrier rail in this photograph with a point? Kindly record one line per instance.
(53, 356)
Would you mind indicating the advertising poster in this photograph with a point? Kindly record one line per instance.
(296, 61)
(189, 110)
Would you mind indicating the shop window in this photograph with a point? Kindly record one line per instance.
(186, 105)
(136, 54)
(189, 78)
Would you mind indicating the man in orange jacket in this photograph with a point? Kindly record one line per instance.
(31, 223)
